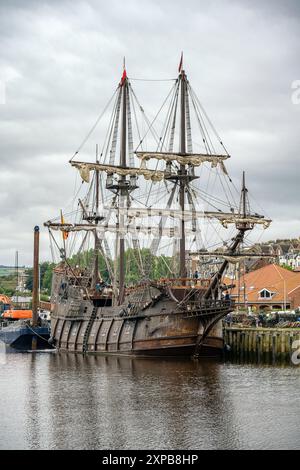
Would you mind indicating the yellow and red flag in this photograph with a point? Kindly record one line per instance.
(62, 221)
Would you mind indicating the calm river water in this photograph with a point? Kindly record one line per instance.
(56, 401)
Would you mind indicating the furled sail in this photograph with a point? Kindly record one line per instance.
(195, 159)
(86, 168)
(132, 229)
(237, 219)
(225, 218)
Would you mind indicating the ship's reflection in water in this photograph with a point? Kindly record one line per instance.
(65, 401)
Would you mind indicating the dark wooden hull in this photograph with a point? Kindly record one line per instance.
(166, 334)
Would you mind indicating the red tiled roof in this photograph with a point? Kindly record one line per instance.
(282, 282)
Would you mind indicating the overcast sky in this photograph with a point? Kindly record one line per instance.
(61, 60)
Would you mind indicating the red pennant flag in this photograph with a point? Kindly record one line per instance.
(180, 63)
(124, 76)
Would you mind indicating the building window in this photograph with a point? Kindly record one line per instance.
(265, 294)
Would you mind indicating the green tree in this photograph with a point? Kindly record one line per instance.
(8, 284)
(155, 267)
(86, 259)
(162, 266)
(46, 269)
(47, 277)
(29, 279)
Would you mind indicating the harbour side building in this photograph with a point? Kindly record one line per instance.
(268, 288)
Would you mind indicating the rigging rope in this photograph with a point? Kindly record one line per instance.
(188, 123)
(94, 126)
(154, 79)
(115, 131)
(172, 131)
(130, 136)
(153, 121)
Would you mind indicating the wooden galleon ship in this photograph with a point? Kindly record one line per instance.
(126, 283)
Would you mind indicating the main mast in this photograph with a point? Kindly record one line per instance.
(122, 187)
(182, 78)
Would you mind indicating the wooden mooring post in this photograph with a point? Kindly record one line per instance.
(35, 290)
(261, 344)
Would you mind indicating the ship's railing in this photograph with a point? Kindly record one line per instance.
(132, 309)
(139, 285)
(79, 279)
(185, 282)
(206, 306)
